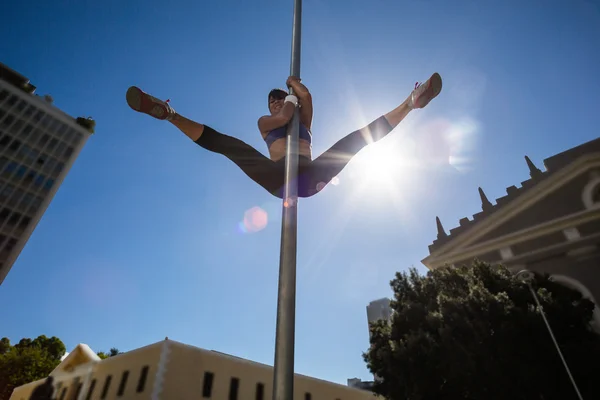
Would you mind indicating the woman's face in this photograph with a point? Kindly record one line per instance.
(276, 102)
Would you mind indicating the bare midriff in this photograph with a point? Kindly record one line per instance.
(278, 148)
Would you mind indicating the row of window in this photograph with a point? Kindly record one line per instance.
(32, 136)
(207, 386)
(28, 179)
(234, 385)
(13, 218)
(15, 197)
(30, 112)
(23, 152)
(141, 385)
(8, 243)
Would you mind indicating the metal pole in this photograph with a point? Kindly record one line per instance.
(283, 374)
(527, 276)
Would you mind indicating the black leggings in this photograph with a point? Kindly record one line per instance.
(312, 175)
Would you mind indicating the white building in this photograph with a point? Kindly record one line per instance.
(38, 145)
(175, 371)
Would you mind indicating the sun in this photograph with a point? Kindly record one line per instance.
(379, 165)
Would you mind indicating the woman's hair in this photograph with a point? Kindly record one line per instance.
(278, 94)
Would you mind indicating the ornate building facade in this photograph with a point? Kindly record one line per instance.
(550, 224)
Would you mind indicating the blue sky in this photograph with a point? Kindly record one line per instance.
(144, 238)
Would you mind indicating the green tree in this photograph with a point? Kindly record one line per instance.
(474, 332)
(27, 361)
(111, 353)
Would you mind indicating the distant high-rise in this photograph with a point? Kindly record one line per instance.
(38, 145)
(377, 310)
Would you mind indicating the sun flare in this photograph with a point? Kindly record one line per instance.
(379, 165)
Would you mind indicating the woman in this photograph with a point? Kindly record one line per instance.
(313, 175)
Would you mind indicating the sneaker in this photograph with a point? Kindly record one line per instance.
(142, 102)
(424, 93)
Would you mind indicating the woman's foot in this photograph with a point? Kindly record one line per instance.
(425, 92)
(142, 102)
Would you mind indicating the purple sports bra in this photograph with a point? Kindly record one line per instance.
(282, 132)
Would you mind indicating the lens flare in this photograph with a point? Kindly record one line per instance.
(255, 220)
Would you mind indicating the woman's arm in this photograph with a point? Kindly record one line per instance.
(269, 122)
(305, 100)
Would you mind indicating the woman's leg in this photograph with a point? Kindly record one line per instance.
(262, 170)
(332, 162)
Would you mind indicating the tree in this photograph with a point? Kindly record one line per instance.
(111, 353)
(27, 361)
(474, 332)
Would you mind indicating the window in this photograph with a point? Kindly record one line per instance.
(234, 386)
(36, 203)
(24, 222)
(60, 149)
(596, 194)
(48, 184)
(307, 396)
(16, 128)
(52, 145)
(79, 386)
(27, 130)
(6, 192)
(28, 153)
(260, 391)
(123, 383)
(4, 141)
(44, 140)
(4, 213)
(14, 219)
(106, 386)
(29, 111)
(142, 381)
(10, 244)
(11, 166)
(21, 171)
(14, 146)
(30, 176)
(91, 390)
(59, 167)
(207, 386)
(38, 116)
(8, 120)
(53, 126)
(21, 106)
(39, 180)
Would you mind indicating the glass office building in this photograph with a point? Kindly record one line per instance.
(38, 145)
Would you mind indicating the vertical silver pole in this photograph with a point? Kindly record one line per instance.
(283, 374)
